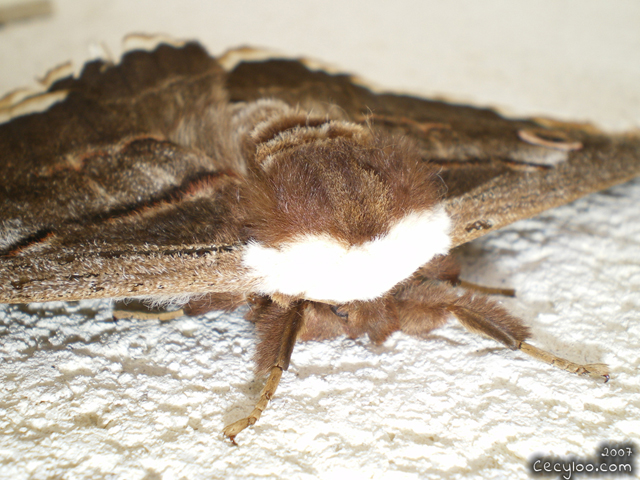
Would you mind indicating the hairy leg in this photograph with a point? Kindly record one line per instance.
(425, 305)
(278, 328)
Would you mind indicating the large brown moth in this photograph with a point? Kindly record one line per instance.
(329, 209)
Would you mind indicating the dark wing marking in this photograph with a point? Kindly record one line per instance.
(97, 191)
(110, 145)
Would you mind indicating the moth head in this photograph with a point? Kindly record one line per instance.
(338, 214)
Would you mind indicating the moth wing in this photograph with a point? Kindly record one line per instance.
(495, 170)
(96, 190)
(125, 187)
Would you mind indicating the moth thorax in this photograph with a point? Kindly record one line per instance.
(275, 127)
(338, 213)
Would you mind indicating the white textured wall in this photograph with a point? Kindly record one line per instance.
(84, 397)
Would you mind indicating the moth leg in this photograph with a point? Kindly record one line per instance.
(425, 305)
(491, 323)
(595, 370)
(201, 304)
(139, 310)
(196, 306)
(267, 392)
(278, 328)
(162, 316)
(445, 268)
(505, 292)
(490, 320)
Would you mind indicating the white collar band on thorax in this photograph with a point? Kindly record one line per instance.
(320, 268)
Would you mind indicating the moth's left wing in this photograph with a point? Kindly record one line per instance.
(496, 170)
(127, 186)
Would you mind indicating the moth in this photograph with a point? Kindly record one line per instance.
(329, 209)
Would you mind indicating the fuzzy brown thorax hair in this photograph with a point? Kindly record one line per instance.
(331, 202)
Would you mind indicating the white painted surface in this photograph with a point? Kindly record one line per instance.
(84, 397)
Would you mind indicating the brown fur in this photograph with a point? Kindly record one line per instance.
(422, 307)
(277, 329)
(265, 134)
(214, 301)
(425, 304)
(482, 315)
(416, 307)
(443, 267)
(321, 323)
(334, 179)
(377, 318)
